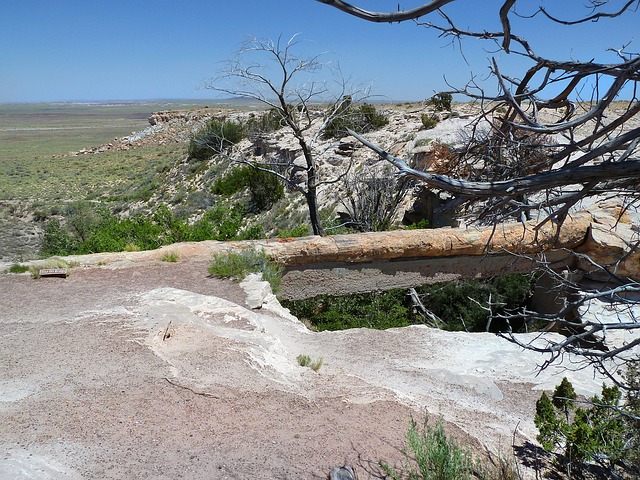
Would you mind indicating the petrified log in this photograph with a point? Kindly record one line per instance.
(440, 242)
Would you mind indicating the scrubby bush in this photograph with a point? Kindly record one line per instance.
(269, 121)
(459, 305)
(361, 119)
(265, 188)
(146, 231)
(239, 265)
(441, 102)
(301, 230)
(462, 305)
(56, 240)
(82, 218)
(596, 433)
(432, 456)
(420, 225)
(380, 310)
(429, 121)
(372, 200)
(219, 223)
(253, 232)
(232, 182)
(216, 137)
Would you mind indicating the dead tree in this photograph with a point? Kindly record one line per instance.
(372, 199)
(273, 75)
(558, 135)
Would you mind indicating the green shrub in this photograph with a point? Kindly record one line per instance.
(269, 121)
(17, 268)
(232, 182)
(380, 310)
(254, 232)
(265, 188)
(422, 224)
(239, 265)
(56, 240)
(148, 231)
(170, 257)
(428, 120)
(301, 230)
(441, 102)
(222, 222)
(432, 456)
(215, 137)
(82, 218)
(458, 304)
(360, 119)
(598, 433)
(462, 304)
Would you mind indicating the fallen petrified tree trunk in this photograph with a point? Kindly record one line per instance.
(439, 242)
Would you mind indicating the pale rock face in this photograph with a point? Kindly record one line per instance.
(481, 382)
(257, 290)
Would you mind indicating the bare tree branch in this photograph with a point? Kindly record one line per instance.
(380, 17)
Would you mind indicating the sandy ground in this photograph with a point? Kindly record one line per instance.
(81, 396)
(159, 372)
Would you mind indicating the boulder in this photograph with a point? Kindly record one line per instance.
(256, 289)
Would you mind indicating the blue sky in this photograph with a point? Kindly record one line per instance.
(83, 50)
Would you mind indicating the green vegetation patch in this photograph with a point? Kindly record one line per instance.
(460, 305)
(361, 119)
(18, 268)
(432, 455)
(307, 361)
(214, 138)
(238, 265)
(268, 122)
(603, 430)
(441, 102)
(301, 230)
(379, 310)
(171, 257)
(122, 175)
(102, 231)
(265, 188)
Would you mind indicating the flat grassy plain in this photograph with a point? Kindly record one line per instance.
(34, 136)
(37, 174)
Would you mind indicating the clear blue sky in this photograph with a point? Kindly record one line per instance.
(82, 50)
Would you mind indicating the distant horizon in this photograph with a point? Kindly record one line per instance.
(203, 101)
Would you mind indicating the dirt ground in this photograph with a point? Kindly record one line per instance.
(157, 371)
(81, 396)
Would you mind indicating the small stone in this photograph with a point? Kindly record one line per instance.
(342, 473)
